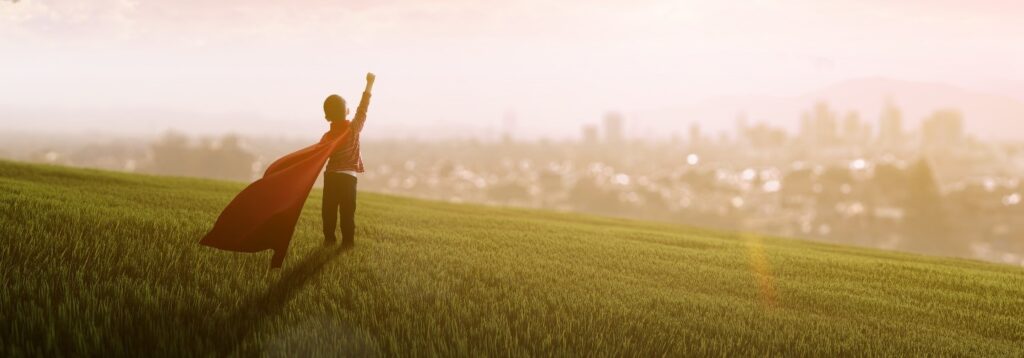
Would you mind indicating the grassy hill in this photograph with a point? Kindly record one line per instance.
(96, 262)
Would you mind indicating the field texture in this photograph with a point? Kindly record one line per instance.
(98, 264)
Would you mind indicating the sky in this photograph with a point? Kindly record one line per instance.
(535, 68)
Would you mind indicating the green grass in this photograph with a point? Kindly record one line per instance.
(96, 263)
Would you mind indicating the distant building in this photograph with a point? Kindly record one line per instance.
(590, 134)
(855, 131)
(943, 129)
(762, 135)
(696, 138)
(742, 127)
(509, 124)
(890, 125)
(819, 127)
(613, 128)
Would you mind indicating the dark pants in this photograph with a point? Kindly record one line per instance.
(339, 195)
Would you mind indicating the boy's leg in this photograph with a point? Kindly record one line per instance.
(329, 207)
(347, 197)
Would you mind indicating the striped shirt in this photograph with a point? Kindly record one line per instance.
(346, 158)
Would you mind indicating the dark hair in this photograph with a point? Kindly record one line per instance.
(335, 108)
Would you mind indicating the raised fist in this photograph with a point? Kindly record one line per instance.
(369, 81)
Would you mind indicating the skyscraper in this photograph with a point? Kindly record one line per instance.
(613, 131)
(696, 137)
(890, 125)
(589, 134)
(943, 129)
(855, 131)
(819, 127)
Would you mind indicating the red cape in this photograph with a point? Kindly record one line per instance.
(264, 214)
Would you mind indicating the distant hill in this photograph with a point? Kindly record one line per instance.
(986, 115)
(98, 263)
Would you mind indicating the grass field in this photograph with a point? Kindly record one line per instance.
(97, 264)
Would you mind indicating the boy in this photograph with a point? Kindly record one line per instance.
(343, 167)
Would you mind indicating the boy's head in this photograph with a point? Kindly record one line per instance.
(335, 108)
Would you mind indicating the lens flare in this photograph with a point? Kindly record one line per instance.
(761, 270)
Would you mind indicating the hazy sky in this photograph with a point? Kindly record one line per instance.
(441, 64)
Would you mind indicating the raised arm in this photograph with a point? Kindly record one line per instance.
(364, 104)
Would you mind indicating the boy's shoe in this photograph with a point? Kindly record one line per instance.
(348, 244)
(330, 241)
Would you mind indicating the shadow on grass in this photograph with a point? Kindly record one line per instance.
(244, 323)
